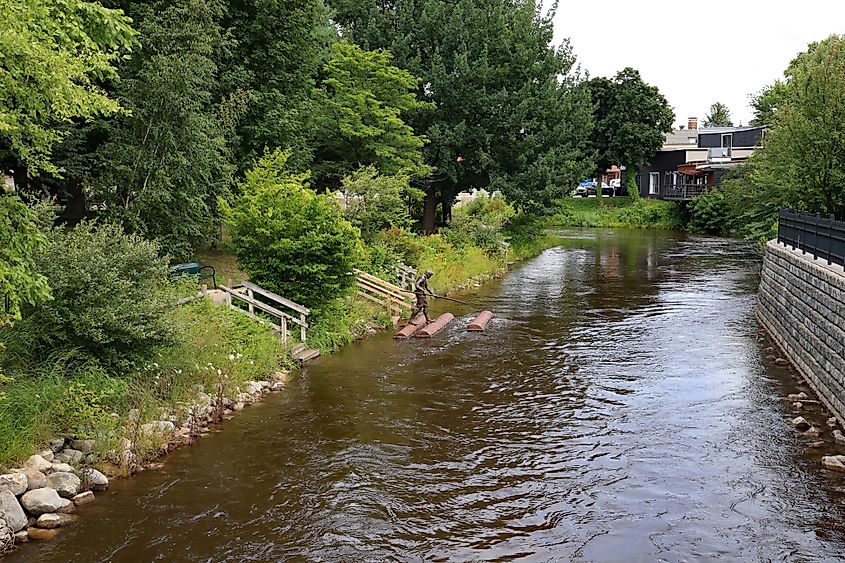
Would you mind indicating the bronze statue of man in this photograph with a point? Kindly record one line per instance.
(420, 290)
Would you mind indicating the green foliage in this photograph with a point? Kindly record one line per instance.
(375, 203)
(53, 56)
(766, 103)
(289, 239)
(106, 297)
(167, 162)
(710, 213)
(344, 320)
(718, 116)
(623, 136)
(802, 161)
(20, 239)
(362, 103)
(618, 212)
(480, 222)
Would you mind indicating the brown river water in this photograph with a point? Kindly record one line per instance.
(618, 408)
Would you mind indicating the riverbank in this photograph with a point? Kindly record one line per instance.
(618, 212)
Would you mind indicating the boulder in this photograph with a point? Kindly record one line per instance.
(37, 463)
(41, 501)
(797, 396)
(7, 537)
(67, 507)
(69, 455)
(813, 432)
(832, 422)
(817, 444)
(158, 428)
(56, 444)
(61, 468)
(66, 484)
(239, 406)
(799, 423)
(94, 479)
(42, 534)
(48, 521)
(47, 454)
(35, 479)
(17, 483)
(834, 462)
(84, 446)
(781, 361)
(11, 509)
(21, 537)
(838, 437)
(83, 498)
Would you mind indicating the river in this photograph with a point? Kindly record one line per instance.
(618, 408)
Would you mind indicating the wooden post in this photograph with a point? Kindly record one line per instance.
(302, 328)
(251, 296)
(283, 324)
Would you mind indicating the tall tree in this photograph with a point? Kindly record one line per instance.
(505, 105)
(802, 162)
(361, 104)
(718, 116)
(766, 103)
(631, 120)
(164, 165)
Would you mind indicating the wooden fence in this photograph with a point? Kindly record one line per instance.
(257, 299)
(383, 293)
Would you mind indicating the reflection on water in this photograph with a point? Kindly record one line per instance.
(616, 409)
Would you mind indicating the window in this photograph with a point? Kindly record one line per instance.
(727, 142)
(654, 183)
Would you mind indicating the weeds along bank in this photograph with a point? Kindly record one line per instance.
(622, 212)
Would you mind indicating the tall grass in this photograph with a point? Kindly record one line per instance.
(622, 212)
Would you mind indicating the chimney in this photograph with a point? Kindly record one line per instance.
(693, 123)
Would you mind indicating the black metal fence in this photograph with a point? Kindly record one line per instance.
(821, 237)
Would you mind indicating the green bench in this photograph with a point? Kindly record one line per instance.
(194, 269)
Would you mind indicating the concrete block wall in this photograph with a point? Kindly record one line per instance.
(801, 304)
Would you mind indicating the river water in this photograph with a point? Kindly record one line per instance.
(618, 408)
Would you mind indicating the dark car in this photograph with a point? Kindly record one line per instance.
(605, 190)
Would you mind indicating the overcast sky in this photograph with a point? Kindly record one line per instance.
(700, 51)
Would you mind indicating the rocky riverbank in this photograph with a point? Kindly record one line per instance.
(42, 496)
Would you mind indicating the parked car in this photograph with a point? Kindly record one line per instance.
(581, 190)
(605, 190)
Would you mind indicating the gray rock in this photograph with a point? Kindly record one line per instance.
(95, 480)
(797, 396)
(781, 361)
(61, 468)
(66, 484)
(84, 446)
(83, 498)
(56, 444)
(799, 423)
(813, 432)
(834, 462)
(68, 507)
(37, 463)
(838, 437)
(49, 521)
(41, 501)
(69, 455)
(832, 422)
(12, 511)
(21, 537)
(7, 536)
(239, 406)
(817, 444)
(47, 454)
(158, 428)
(35, 479)
(17, 483)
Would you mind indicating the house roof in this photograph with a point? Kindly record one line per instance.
(712, 130)
(681, 137)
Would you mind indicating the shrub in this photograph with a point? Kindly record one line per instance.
(375, 203)
(289, 239)
(709, 213)
(480, 223)
(107, 297)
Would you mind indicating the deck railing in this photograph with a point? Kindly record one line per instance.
(257, 299)
(685, 191)
(824, 238)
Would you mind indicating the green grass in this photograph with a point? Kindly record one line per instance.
(70, 394)
(618, 212)
(225, 265)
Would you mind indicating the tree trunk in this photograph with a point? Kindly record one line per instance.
(446, 203)
(430, 212)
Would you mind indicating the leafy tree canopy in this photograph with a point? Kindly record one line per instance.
(375, 203)
(718, 116)
(53, 56)
(631, 120)
(362, 103)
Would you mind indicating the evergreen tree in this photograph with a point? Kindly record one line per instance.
(719, 116)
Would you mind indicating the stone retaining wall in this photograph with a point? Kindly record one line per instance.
(802, 306)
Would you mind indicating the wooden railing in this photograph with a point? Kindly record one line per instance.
(685, 191)
(406, 276)
(270, 304)
(383, 293)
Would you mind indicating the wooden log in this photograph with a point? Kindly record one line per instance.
(436, 325)
(409, 329)
(480, 322)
